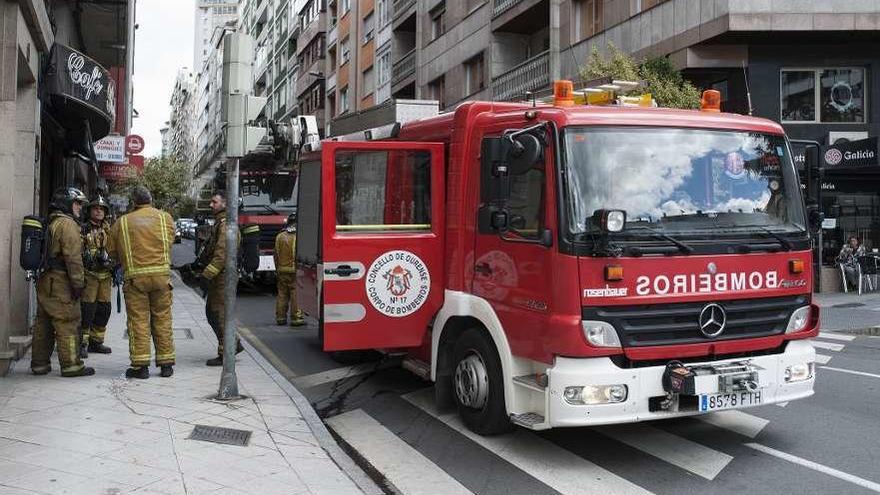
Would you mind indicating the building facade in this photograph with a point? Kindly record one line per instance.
(179, 134)
(65, 74)
(211, 15)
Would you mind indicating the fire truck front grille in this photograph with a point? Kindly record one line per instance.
(679, 323)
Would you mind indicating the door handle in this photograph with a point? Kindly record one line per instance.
(341, 270)
(483, 268)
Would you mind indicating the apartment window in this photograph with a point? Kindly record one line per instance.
(344, 50)
(368, 28)
(383, 63)
(646, 4)
(343, 100)
(829, 95)
(382, 11)
(369, 82)
(438, 21)
(437, 91)
(587, 18)
(474, 75)
(344, 7)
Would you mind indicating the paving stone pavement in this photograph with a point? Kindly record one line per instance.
(108, 435)
(848, 311)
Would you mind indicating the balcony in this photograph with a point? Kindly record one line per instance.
(333, 34)
(501, 6)
(404, 68)
(401, 7)
(531, 75)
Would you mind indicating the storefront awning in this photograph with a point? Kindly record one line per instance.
(80, 91)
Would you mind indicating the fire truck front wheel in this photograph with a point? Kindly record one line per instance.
(478, 384)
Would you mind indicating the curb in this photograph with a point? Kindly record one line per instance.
(325, 439)
(322, 435)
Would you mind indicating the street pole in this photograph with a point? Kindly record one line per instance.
(228, 379)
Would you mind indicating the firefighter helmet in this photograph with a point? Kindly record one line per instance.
(291, 219)
(99, 202)
(64, 197)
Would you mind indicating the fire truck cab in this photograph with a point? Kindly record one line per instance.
(561, 264)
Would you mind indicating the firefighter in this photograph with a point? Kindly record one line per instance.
(99, 273)
(141, 241)
(214, 277)
(59, 289)
(285, 268)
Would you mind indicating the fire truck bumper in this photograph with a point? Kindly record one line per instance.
(595, 391)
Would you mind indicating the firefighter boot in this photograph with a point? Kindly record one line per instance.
(217, 361)
(84, 371)
(99, 347)
(297, 320)
(167, 371)
(141, 373)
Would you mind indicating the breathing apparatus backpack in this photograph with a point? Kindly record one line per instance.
(250, 248)
(34, 251)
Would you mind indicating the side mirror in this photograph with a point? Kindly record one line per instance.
(500, 221)
(526, 152)
(815, 217)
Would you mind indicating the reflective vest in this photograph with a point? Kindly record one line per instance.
(141, 241)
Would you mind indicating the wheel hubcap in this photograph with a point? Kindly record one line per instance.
(472, 381)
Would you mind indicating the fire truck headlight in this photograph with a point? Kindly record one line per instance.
(600, 333)
(589, 395)
(799, 372)
(616, 220)
(798, 320)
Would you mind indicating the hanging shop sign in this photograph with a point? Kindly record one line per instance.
(82, 90)
(134, 144)
(110, 149)
(851, 154)
(131, 167)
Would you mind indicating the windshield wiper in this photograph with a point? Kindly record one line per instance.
(782, 240)
(684, 248)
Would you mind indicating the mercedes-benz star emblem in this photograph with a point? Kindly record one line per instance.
(713, 318)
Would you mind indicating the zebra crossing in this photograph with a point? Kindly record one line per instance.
(554, 464)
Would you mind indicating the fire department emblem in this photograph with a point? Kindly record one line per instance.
(398, 283)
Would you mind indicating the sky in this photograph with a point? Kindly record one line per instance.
(163, 44)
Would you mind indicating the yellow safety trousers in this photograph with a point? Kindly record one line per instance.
(286, 298)
(148, 308)
(58, 316)
(97, 291)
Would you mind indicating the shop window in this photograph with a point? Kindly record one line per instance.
(380, 191)
(587, 19)
(822, 95)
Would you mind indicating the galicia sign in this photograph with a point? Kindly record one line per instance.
(398, 283)
(861, 153)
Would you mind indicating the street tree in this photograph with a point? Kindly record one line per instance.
(662, 80)
(168, 180)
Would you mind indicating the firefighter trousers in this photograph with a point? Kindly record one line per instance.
(215, 309)
(287, 298)
(148, 308)
(95, 306)
(58, 316)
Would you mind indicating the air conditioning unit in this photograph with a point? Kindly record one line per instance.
(837, 137)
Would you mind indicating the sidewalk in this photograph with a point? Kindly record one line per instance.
(109, 435)
(848, 311)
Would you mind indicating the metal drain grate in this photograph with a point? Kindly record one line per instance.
(216, 434)
(179, 334)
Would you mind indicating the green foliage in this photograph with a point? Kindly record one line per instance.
(168, 180)
(666, 85)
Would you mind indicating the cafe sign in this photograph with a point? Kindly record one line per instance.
(84, 87)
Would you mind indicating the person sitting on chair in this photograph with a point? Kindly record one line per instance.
(848, 259)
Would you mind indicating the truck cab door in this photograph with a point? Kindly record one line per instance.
(381, 275)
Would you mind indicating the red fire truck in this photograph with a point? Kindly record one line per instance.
(561, 264)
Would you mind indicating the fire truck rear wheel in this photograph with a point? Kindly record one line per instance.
(478, 384)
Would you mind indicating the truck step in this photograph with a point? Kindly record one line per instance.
(417, 367)
(536, 382)
(530, 420)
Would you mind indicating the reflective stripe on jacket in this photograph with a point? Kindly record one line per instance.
(141, 241)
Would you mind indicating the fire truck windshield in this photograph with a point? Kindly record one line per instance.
(269, 193)
(684, 182)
